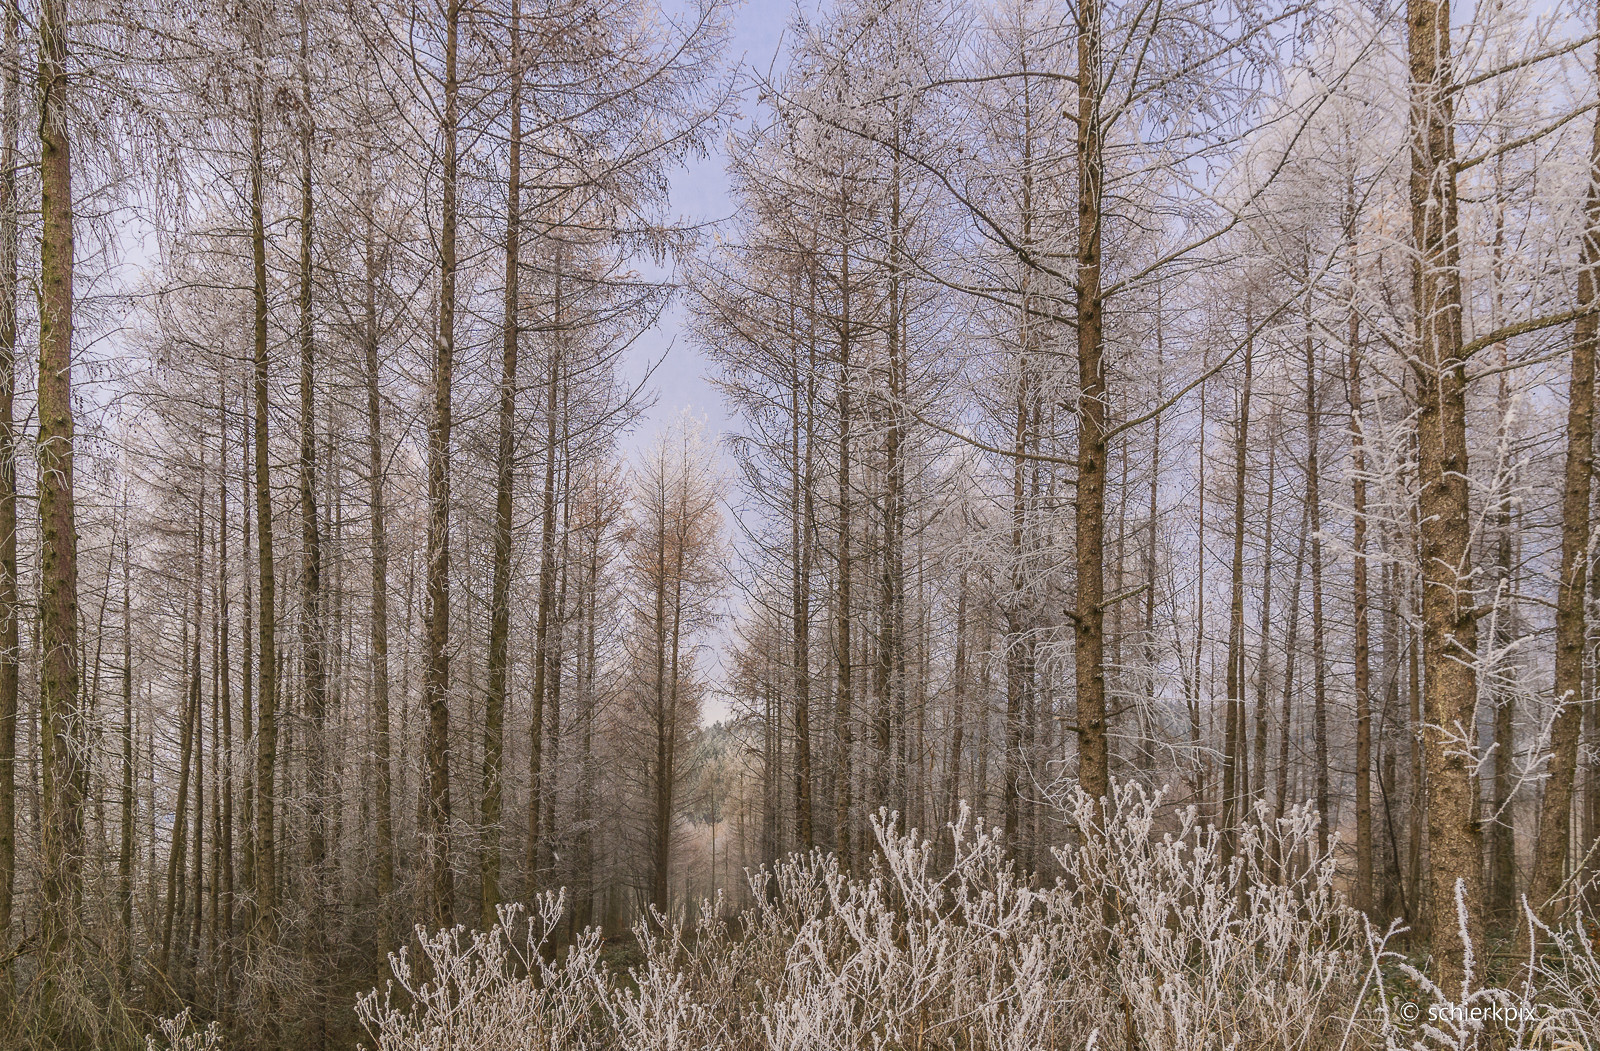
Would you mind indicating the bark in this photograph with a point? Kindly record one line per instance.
(440, 884)
(800, 528)
(378, 552)
(176, 875)
(265, 850)
(547, 601)
(505, 452)
(1089, 626)
(843, 700)
(1449, 619)
(222, 700)
(1363, 898)
(1235, 770)
(1319, 650)
(126, 824)
(1291, 646)
(1263, 661)
(1552, 845)
(313, 682)
(64, 739)
(10, 640)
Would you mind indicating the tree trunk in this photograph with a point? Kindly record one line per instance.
(128, 832)
(1449, 618)
(1551, 847)
(1263, 662)
(10, 636)
(505, 452)
(1235, 770)
(843, 700)
(547, 601)
(440, 887)
(1089, 628)
(379, 552)
(64, 740)
(265, 851)
(1319, 649)
(314, 684)
(801, 585)
(1363, 899)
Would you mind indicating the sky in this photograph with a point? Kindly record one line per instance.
(700, 195)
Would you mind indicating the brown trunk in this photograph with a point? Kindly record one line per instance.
(10, 640)
(1291, 646)
(800, 528)
(843, 700)
(126, 825)
(1263, 662)
(440, 886)
(314, 686)
(1449, 618)
(222, 706)
(500, 601)
(1235, 770)
(379, 553)
(1551, 848)
(1363, 898)
(64, 739)
(1319, 649)
(547, 599)
(176, 889)
(1089, 628)
(265, 851)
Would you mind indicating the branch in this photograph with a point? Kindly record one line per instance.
(1010, 454)
(1522, 328)
(1518, 143)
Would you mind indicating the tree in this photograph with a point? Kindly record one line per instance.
(675, 564)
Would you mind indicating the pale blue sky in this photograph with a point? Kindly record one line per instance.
(700, 194)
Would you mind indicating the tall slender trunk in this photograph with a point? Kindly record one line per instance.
(1152, 656)
(1502, 837)
(222, 708)
(313, 658)
(843, 700)
(1263, 661)
(1319, 648)
(1291, 646)
(63, 737)
(128, 832)
(313, 672)
(1449, 617)
(1363, 898)
(10, 635)
(801, 512)
(500, 600)
(176, 871)
(379, 585)
(893, 643)
(1089, 628)
(958, 706)
(1551, 847)
(1235, 770)
(267, 648)
(547, 601)
(440, 887)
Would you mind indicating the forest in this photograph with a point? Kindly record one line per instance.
(1132, 586)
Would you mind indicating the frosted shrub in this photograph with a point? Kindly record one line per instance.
(1203, 953)
(1155, 937)
(1147, 940)
(494, 989)
(1565, 983)
(179, 1034)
